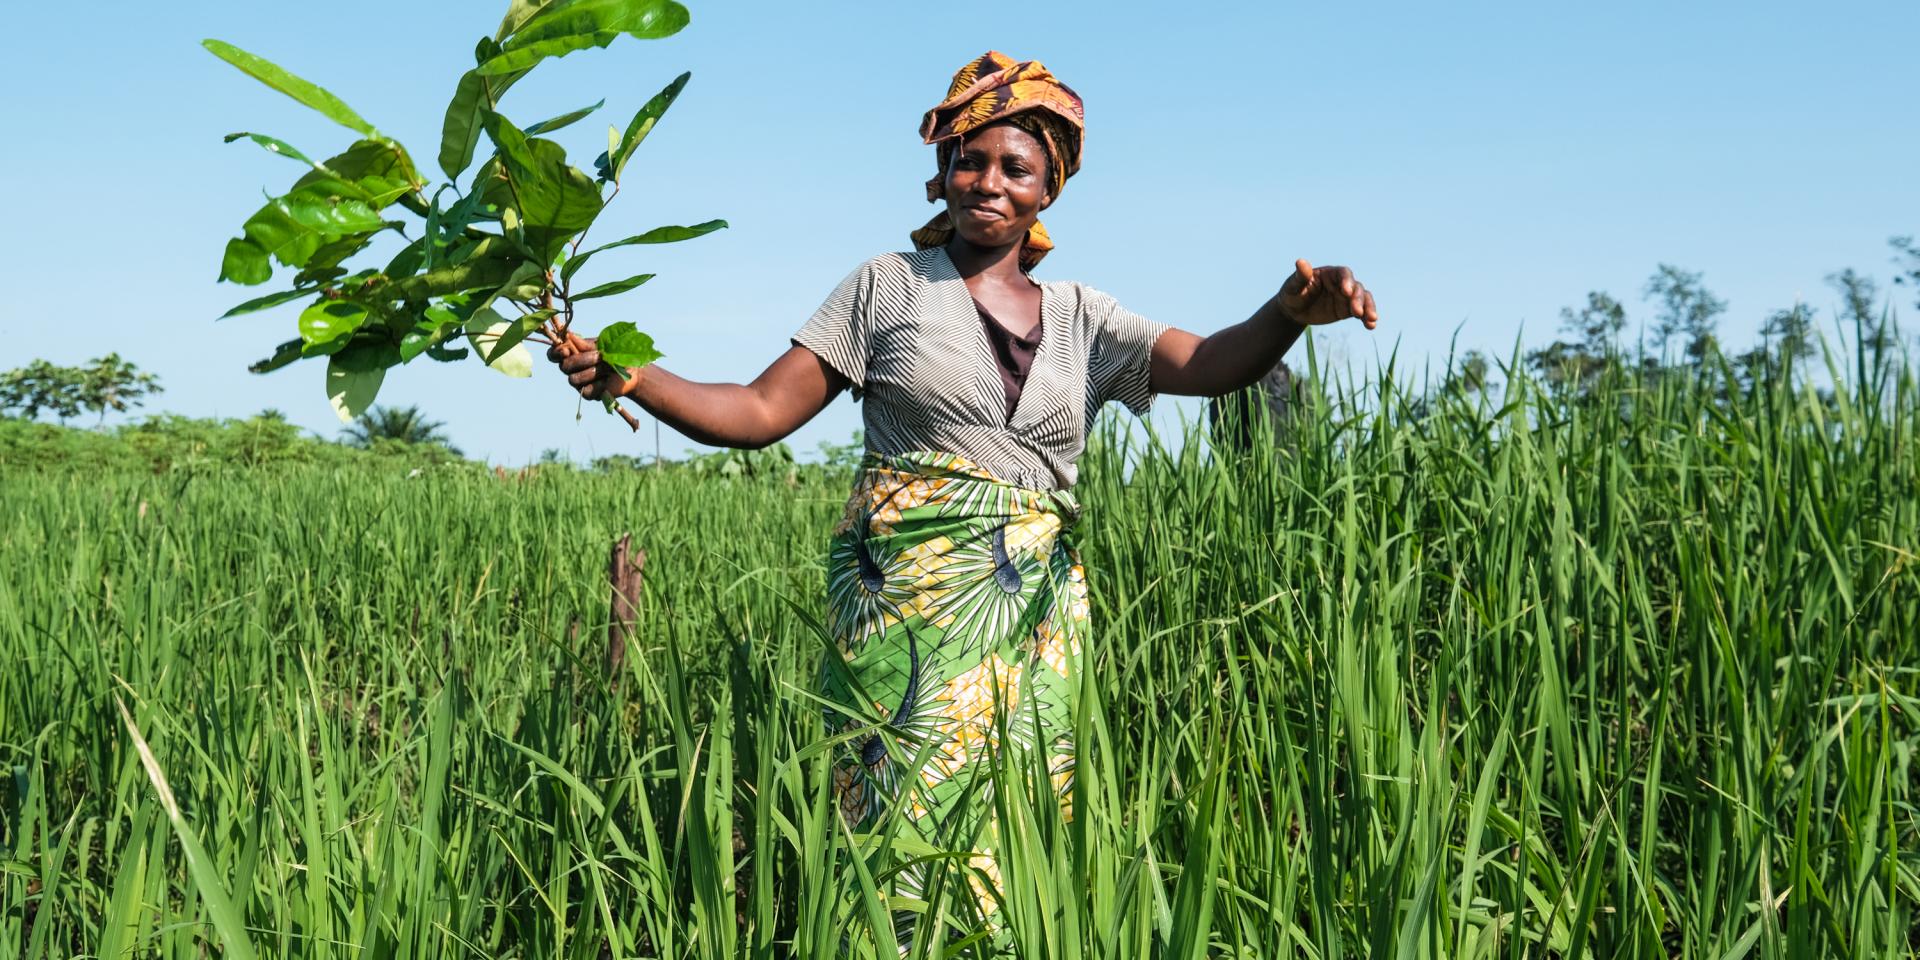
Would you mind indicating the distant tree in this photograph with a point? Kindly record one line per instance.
(1790, 331)
(843, 456)
(617, 462)
(775, 461)
(111, 383)
(1686, 309)
(553, 457)
(104, 384)
(1469, 376)
(41, 386)
(1857, 297)
(398, 424)
(1906, 263)
(1594, 335)
(1786, 336)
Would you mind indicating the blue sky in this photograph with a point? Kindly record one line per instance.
(1480, 166)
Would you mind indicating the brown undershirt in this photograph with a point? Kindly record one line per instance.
(1013, 355)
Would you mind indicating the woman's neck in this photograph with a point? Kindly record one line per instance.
(995, 265)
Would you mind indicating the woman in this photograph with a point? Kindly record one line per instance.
(952, 585)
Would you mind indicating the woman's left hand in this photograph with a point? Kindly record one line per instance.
(1314, 296)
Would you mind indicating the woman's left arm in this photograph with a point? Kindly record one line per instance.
(1186, 364)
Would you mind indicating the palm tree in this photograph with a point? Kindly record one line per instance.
(402, 424)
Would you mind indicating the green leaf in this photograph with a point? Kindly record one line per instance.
(245, 262)
(270, 300)
(331, 320)
(409, 260)
(460, 128)
(564, 120)
(486, 269)
(282, 355)
(434, 328)
(505, 338)
(325, 349)
(277, 77)
(516, 150)
(272, 145)
(463, 213)
(525, 283)
(555, 201)
(446, 354)
(295, 227)
(325, 263)
(614, 164)
(377, 171)
(623, 345)
(609, 289)
(656, 235)
(584, 24)
(486, 328)
(330, 213)
(351, 391)
(367, 355)
(430, 239)
(554, 218)
(518, 13)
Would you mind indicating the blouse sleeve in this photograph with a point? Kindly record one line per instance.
(1120, 361)
(837, 332)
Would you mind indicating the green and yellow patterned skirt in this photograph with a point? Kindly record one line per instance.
(955, 598)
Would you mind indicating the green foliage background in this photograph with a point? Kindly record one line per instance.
(1621, 672)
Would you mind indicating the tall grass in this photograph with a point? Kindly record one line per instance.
(1629, 674)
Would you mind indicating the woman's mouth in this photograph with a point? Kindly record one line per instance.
(984, 213)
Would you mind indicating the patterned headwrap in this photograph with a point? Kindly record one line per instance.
(996, 88)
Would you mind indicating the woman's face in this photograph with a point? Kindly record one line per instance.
(997, 185)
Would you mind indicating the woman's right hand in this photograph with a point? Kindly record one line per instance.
(579, 359)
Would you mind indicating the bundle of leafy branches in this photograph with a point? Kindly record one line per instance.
(494, 263)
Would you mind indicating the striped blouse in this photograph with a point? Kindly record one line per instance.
(903, 329)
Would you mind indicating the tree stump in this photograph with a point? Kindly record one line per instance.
(624, 568)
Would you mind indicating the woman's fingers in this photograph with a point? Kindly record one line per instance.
(579, 359)
(1341, 279)
(1327, 294)
(1304, 271)
(575, 345)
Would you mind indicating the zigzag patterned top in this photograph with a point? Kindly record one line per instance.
(904, 331)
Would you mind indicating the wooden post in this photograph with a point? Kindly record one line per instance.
(624, 566)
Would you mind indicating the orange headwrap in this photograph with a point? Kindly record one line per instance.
(989, 89)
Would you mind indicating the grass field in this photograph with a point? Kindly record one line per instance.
(1625, 675)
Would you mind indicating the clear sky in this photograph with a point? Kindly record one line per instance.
(1480, 165)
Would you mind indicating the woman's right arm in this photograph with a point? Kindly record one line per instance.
(794, 388)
